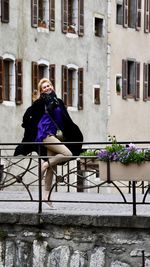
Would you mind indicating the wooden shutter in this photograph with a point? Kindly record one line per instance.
(34, 13)
(146, 16)
(137, 80)
(64, 16)
(52, 15)
(124, 78)
(5, 11)
(80, 88)
(52, 74)
(81, 18)
(1, 80)
(138, 15)
(19, 78)
(145, 82)
(34, 80)
(65, 84)
(125, 13)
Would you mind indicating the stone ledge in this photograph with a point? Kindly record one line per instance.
(76, 220)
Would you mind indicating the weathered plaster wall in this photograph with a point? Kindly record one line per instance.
(30, 44)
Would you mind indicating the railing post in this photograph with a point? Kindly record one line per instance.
(39, 180)
(108, 172)
(134, 196)
(143, 258)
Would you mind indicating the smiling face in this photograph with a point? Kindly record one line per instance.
(47, 87)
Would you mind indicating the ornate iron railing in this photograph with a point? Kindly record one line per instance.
(23, 173)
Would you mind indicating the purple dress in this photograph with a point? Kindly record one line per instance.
(47, 126)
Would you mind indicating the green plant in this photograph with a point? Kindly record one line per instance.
(90, 152)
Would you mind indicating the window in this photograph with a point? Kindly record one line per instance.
(119, 14)
(96, 95)
(40, 70)
(130, 79)
(99, 27)
(147, 16)
(118, 84)
(5, 11)
(43, 14)
(146, 81)
(73, 16)
(10, 80)
(72, 86)
(128, 13)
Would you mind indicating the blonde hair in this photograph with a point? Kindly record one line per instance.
(39, 90)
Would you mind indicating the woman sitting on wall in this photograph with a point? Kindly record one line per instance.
(48, 121)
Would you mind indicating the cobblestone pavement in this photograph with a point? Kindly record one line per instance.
(66, 206)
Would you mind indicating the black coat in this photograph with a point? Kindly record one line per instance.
(31, 119)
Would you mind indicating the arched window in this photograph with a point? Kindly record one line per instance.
(41, 69)
(72, 86)
(11, 84)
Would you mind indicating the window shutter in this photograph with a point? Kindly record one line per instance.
(64, 16)
(34, 13)
(52, 74)
(5, 11)
(34, 80)
(80, 88)
(65, 84)
(145, 82)
(52, 15)
(138, 15)
(125, 13)
(124, 78)
(19, 87)
(137, 81)
(1, 80)
(146, 16)
(81, 18)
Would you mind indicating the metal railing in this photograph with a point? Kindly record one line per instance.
(80, 174)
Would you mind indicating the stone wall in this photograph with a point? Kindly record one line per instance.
(32, 240)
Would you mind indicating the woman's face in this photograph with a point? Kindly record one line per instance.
(47, 88)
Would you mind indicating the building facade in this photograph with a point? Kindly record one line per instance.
(65, 41)
(129, 73)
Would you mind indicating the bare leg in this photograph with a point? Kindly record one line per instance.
(48, 178)
(57, 154)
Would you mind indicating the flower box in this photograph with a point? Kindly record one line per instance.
(121, 172)
(89, 164)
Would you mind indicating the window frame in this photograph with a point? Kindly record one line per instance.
(127, 15)
(48, 22)
(79, 87)
(5, 11)
(79, 18)
(15, 94)
(50, 69)
(96, 94)
(125, 79)
(101, 27)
